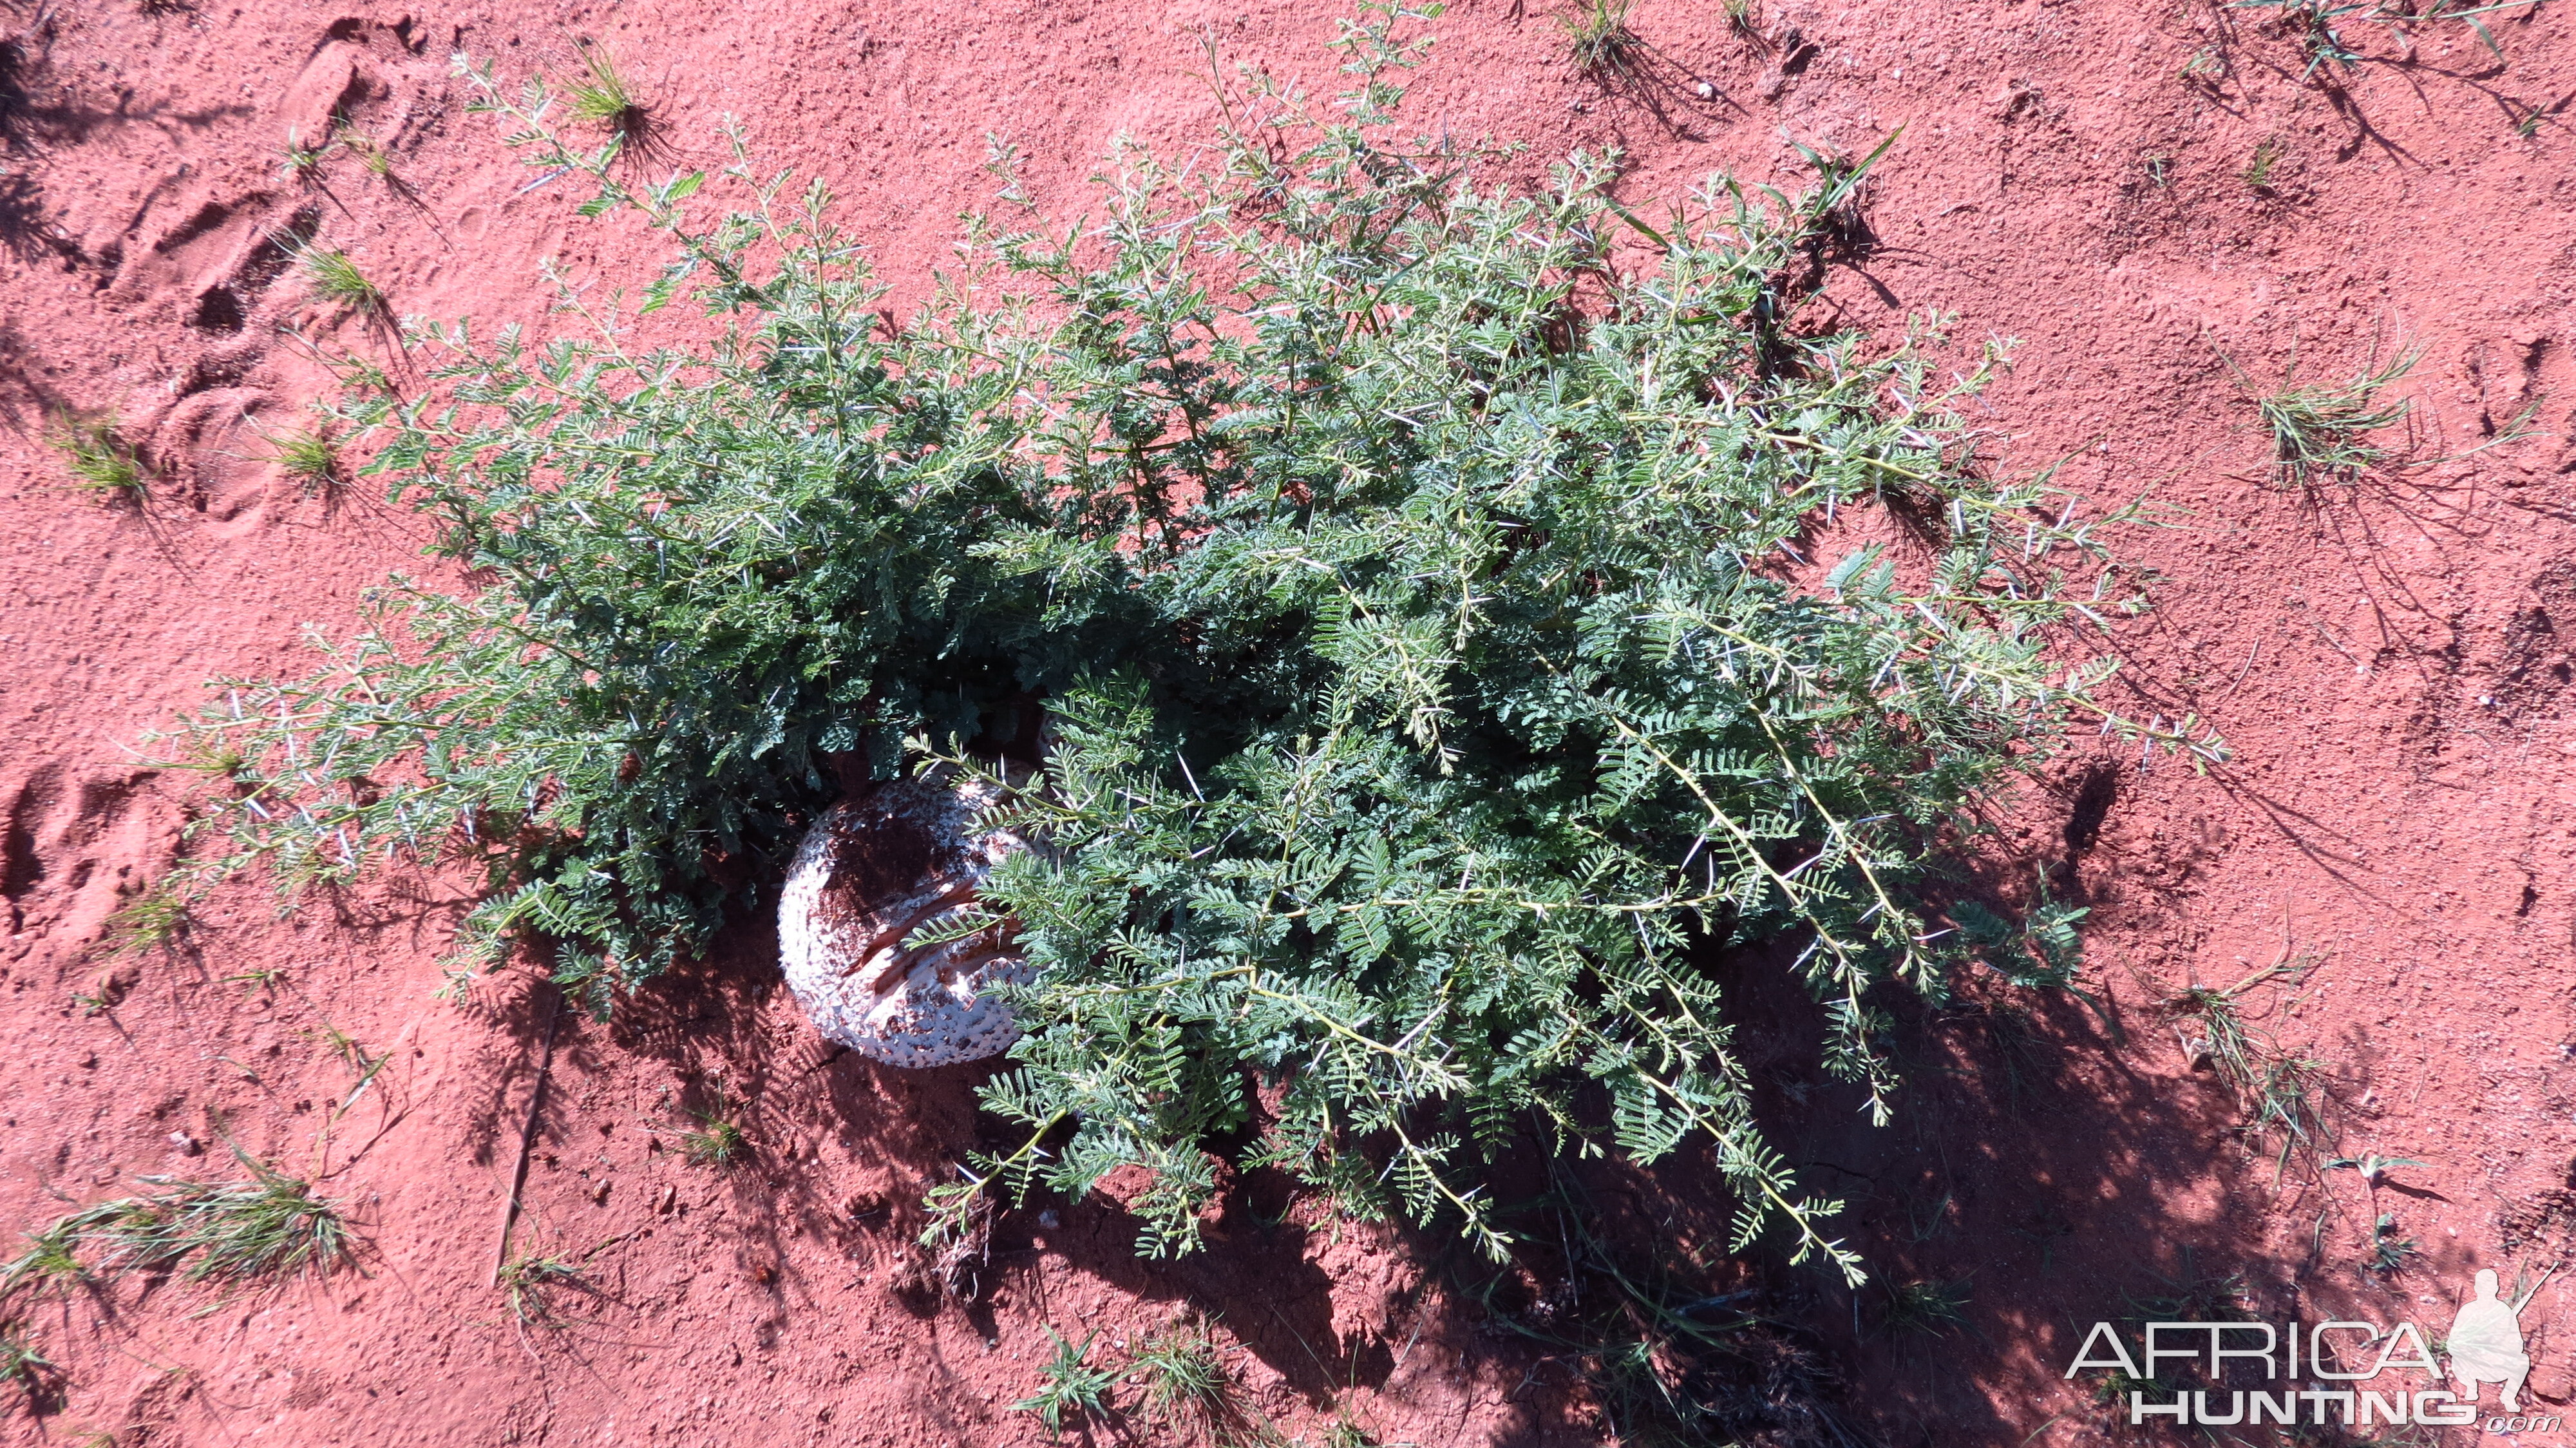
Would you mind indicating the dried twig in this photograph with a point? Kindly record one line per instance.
(527, 1140)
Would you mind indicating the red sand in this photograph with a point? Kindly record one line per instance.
(2389, 660)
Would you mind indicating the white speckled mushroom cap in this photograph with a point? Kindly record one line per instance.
(875, 868)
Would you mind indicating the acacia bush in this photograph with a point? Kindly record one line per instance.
(1415, 570)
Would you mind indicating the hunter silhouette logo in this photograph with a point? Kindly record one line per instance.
(2308, 1363)
(2486, 1344)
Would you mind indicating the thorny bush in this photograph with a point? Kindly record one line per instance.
(1412, 576)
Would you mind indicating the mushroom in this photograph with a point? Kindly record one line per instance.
(877, 867)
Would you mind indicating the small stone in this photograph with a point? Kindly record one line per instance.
(1706, 91)
(599, 1194)
(184, 1144)
(670, 1198)
(1049, 1220)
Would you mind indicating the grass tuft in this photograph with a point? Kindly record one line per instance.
(2281, 1095)
(371, 153)
(49, 1263)
(21, 1362)
(2224, 1040)
(530, 1282)
(102, 998)
(2389, 1252)
(2317, 26)
(156, 919)
(2191, 1296)
(1070, 1383)
(718, 1138)
(1347, 1432)
(2322, 430)
(98, 457)
(377, 159)
(1598, 38)
(1928, 1308)
(1666, 1355)
(309, 455)
(336, 278)
(2286, 1101)
(2259, 167)
(347, 1050)
(271, 1226)
(1185, 1385)
(213, 758)
(2188, 1296)
(605, 100)
(302, 164)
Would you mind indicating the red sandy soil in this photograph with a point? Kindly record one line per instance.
(2389, 659)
